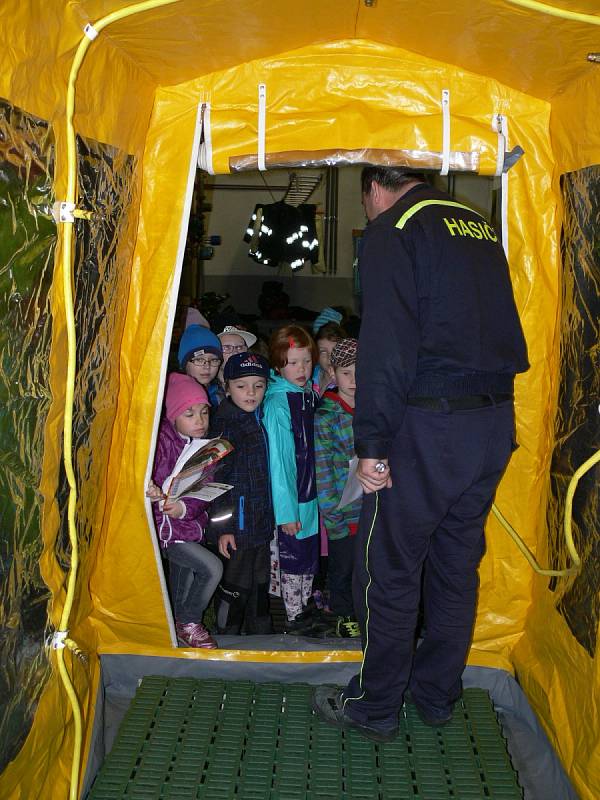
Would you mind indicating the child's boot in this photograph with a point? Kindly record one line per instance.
(194, 634)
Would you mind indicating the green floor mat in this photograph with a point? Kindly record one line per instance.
(187, 739)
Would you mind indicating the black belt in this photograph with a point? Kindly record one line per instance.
(459, 403)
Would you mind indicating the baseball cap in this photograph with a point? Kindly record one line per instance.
(249, 338)
(242, 365)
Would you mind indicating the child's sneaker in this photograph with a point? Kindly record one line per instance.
(347, 628)
(194, 634)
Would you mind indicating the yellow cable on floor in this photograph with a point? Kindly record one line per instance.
(61, 639)
(568, 520)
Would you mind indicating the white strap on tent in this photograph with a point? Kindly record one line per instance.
(205, 154)
(262, 114)
(445, 132)
(500, 125)
(504, 210)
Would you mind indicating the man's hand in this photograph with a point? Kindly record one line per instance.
(371, 479)
(226, 541)
(291, 528)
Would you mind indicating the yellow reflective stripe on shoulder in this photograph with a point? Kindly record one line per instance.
(418, 206)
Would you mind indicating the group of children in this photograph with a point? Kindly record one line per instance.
(289, 420)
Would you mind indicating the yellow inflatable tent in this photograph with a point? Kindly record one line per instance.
(105, 108)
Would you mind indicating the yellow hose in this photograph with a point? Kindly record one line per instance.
(61, 639)
(554, 11)
(558, 573)
(577, 475)
(568, 531)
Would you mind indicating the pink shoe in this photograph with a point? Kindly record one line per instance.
(194, 634)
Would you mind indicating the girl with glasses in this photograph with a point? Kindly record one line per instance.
(200, 356)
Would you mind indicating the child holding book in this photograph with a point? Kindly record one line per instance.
(334, 447)
(242, 521)
(194, 572)
(289, 408)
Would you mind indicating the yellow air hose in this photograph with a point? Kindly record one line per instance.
(555, 11)
(568, 520)
(60, 639)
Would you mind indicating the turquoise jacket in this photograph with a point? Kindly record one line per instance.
(289, 421)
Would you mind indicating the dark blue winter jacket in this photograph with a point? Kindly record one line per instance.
(249, 503)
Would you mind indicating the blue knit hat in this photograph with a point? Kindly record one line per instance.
(195, 339)
(328, 314)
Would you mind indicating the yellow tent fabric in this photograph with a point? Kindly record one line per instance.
(348, 76)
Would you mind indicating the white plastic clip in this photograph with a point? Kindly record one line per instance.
(445, 132)
(90, 32)
(57, 640)
(63, 211)
(262, 113)
(68, 212)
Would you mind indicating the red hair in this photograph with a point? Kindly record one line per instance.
(284, 339)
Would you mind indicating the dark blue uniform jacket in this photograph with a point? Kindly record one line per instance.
(439, 316)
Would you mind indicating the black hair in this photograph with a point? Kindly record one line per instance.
(390, 178)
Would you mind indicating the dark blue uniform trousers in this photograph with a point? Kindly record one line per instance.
(445, 468)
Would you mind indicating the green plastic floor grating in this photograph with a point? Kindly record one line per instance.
(183, 739)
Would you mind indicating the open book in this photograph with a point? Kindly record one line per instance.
(192, 473)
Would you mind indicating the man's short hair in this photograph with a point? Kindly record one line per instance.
(391, 178)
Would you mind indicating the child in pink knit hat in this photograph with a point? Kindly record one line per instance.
(194, 572)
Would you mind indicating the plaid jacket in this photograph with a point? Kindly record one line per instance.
(334, 447)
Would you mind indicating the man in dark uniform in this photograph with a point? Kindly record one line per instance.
(440, 344)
